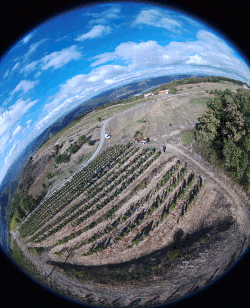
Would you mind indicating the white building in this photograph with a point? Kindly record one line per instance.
(149, 94)
(245, 87)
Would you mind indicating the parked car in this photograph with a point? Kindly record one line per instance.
(107, 136)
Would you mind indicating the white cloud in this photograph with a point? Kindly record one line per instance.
(105, 16)
(29, 67)
(95, 32)
(208, 54)
(71, 87)
(207, 51)
(59, 58)
(15, 67)
(28, 37)
(24, 86)
(83, 82)
(12, 153)
(14, 113)
(4, 141)
(28, 123)
(6, 74)
(33, 48)
(106, 71)
(196, 60)
(156, 18)
(136, 55)
(18, 129)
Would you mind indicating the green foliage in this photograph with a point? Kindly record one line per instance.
(187, 137)
(173, 90)
(140, 186)
(136, 133)
(203, 239)
(91, 142)
(81, 140)
(19, 212)
(35, 250)
(74, 148)
(57, 147)
(223, 133)
(49, 175)
(20, 259)
(173, 254)
(77, 274)
(62, 158)
(27, 203)
(99, 119)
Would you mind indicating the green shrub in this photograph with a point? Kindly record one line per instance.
(81, 140)
(173, 254)
(35, 250)
(62, 158)
(74, 148)
(91, 142)
(187, 137)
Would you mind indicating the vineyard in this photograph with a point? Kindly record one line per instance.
(110, 202)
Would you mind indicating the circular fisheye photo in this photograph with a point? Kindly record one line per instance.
(124, 156)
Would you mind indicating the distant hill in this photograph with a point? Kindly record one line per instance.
(10, 181)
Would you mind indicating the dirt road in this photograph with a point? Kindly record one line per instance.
(238, 211)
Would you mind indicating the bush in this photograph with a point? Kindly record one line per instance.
(62, 158)
(74, 148)
(173, 254)
(81, 140)
(91, 142)
(50, 175)
(35, 250)
(136, 133)
(187, 137)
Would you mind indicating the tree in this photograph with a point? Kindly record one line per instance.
(81, 140)
(57, 148)
(74, 148)
(62, 158)
(207, 128)
(91, 142)
(224, 133)
(173, 90)
(19, 212)
(99, 119)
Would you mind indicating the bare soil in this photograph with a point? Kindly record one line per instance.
(210, 238)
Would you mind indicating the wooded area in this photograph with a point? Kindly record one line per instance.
(223, 133)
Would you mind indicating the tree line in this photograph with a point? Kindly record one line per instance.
(223, 133)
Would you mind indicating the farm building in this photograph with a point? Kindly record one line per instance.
(149, 94)
(163, 92)
(245, 87)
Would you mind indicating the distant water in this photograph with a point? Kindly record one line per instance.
(147, 90)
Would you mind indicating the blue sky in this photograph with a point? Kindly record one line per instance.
(79, 54)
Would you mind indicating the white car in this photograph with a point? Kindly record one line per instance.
(107, 136)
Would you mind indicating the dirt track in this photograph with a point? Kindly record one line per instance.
(177, 282)
(185, 276)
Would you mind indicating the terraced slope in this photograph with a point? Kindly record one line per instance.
(115, 206)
